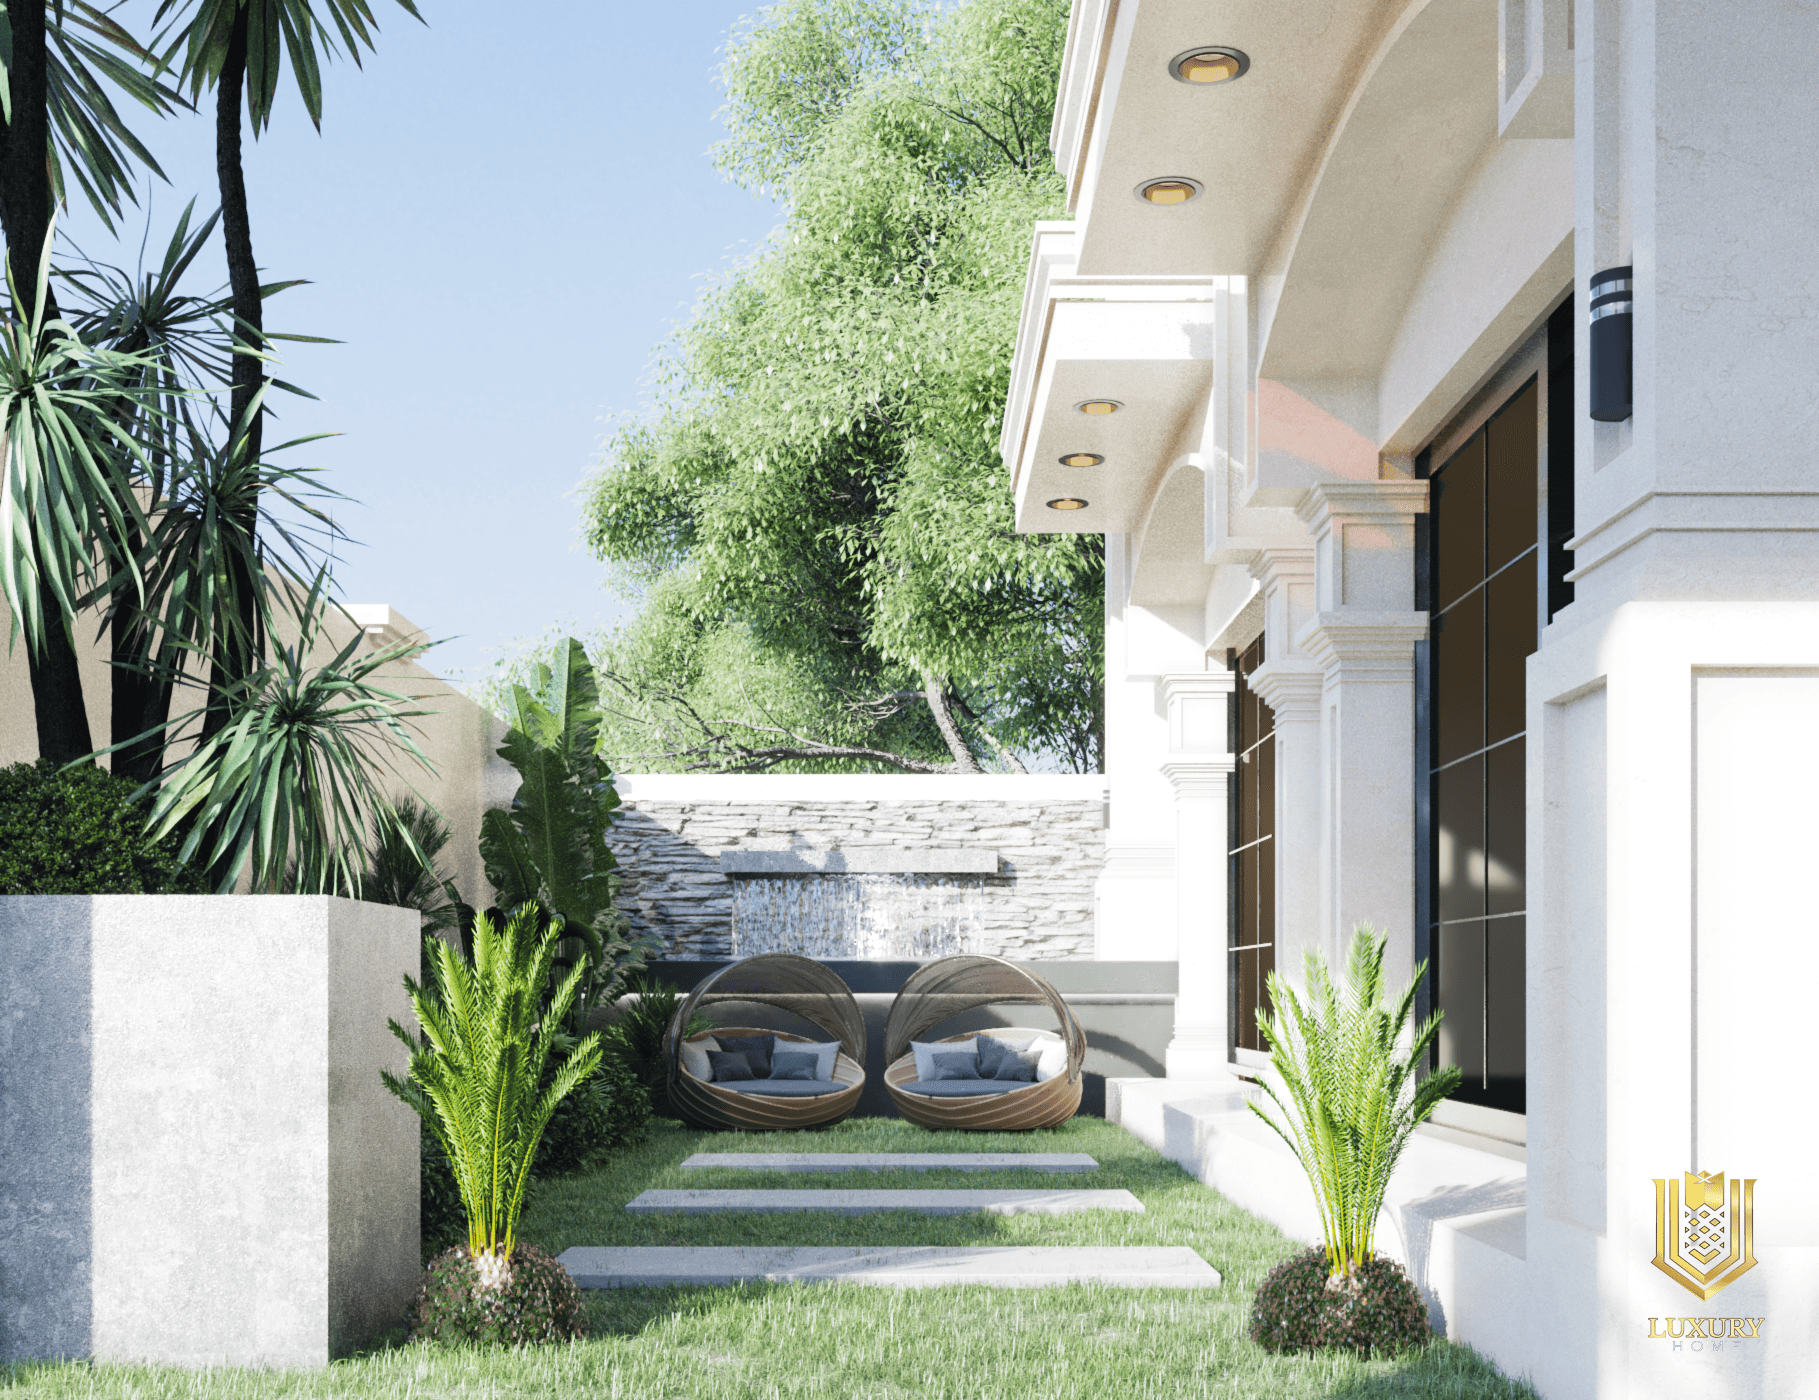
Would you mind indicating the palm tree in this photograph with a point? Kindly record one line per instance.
(59, 121)
(480, 1078)
(231, 45)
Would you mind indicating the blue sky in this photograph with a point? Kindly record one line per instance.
(500, 223)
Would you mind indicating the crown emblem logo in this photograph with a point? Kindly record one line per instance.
(1703, 1242)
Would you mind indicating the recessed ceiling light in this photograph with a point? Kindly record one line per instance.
(1209, 65)
(1067, 503)
(1082, 459)
(1098, 408)
(1176, 189)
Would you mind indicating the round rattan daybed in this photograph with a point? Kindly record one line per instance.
(787, 982)
(949, 987)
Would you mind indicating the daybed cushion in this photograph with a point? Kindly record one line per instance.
(826, 1053)
(784, 1088)
(729, 1065)
(694, 1057)
(960, 1088)
(992, 1048)
(793, 1065)
(1017, 1066)
(1053, 1061)
(953, 1065)
(756, 1049)
(922, 1051)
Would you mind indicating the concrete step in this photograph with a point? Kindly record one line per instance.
(871, 1202)
(900, 1266)
(894, 1161)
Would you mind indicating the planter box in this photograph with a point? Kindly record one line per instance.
(198, 1163)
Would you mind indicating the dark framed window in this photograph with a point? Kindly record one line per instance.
(1491, 573)
(1251, 941)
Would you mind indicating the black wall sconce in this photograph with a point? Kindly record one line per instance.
(1612, 302)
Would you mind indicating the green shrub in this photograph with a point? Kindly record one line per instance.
(1377, 1310)
(536, 1301)
(636, 1038)
(79, 832)
(607, 1111)
(1347, 1088)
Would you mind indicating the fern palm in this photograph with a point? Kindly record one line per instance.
(1347, 1097)
(478, 1077)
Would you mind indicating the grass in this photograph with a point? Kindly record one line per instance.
(759, 1341)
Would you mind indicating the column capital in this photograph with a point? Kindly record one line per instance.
(1275, 565)
(1196, 704)
(1346, 502)
(1200, 777)
(1365, 647)
(1291, 687)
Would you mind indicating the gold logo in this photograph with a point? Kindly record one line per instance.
(1700, 1243)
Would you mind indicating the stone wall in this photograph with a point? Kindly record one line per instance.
(1047, 831)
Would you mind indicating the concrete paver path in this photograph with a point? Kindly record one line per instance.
(899, 1266)
(894, 1161)
(871, 1202)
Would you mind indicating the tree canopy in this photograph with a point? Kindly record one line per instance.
(816, 508)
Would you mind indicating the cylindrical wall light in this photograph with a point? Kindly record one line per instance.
(1612, 302)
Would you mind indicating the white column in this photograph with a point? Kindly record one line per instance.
(1290, 682)
(1200, 767)
(1363, 638)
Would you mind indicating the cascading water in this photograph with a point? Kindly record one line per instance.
(857, 916)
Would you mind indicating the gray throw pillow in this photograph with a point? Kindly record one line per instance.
(992, 1048)
(694, 1057)
(794, 1064)
(757, 1050)
(1018, 1066)
(826, 1053)
(730, 1064)
(923, 1049)
(964, 1065)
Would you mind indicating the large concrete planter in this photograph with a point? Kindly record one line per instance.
(198, 1163)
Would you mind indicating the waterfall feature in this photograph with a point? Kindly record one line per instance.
(857, 916)
(871, 903)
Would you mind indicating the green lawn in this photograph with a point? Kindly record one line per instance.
(788, 1340)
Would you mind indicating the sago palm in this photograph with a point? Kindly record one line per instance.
(1348, 1095)
(478, 1076)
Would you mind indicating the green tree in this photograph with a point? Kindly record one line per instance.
(820, 488)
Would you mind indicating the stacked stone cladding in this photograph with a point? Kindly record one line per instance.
(1038, 906)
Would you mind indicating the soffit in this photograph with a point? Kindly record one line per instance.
(1251, 142)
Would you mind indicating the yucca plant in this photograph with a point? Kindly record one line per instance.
(1347, 1092)
(292, 782)
(478, 1077)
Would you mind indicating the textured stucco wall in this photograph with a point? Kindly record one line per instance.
(198, 1162)
(1047, 831)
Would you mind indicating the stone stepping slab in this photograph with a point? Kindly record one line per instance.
(902, 1266)
(894, 1161)
(871, 1202)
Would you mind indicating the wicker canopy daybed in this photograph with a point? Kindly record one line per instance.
(949, 987)
(782, 981)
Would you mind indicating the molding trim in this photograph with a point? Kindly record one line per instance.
(1365, 648)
